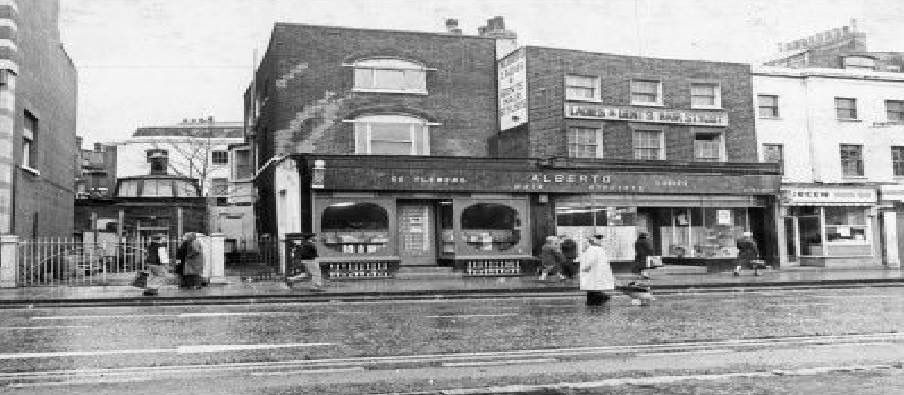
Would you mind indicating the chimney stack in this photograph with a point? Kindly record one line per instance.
(452, 26)
(506, 40)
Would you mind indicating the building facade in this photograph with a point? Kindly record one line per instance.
(838, 135)
(95, 170)
(38, 87)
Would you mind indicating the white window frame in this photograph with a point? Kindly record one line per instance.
(634, 146)
(657, 102)
(717, 95)
(856, 112)
(570, 80)
(721, 135)
(599, 150)
(29, 145)
(888, 111)
(841, 162)
(759, 105)
(364, 132)
(373, 65)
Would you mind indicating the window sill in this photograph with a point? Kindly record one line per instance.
(594, 100)
(397, 91)
(707, 108)
(34, 172)
(647, 104)
(849, 120)
(772, 118)
(854, 178)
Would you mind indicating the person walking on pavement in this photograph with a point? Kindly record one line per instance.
(156, 259)
(192, 261)
(305, 252)
(570, 251)
(747, 253)
(643, 249)
(596, 274)
(551, 258)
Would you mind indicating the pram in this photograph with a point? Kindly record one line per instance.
(639, 289)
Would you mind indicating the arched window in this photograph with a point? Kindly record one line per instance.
(390, 75)
(391, 134)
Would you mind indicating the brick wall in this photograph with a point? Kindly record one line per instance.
(46, 87)
(547, 67)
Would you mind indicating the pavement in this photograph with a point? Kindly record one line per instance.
(246, 289)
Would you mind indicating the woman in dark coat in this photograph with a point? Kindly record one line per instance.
(747, 253)
(551, 258)
(642, 250)
(192, 261)
(570, 252)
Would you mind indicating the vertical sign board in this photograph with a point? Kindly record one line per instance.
(512, 82)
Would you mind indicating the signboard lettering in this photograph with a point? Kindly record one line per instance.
(829, 195)
(649, 115)
(512, 77)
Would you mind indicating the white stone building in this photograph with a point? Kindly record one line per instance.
(840, 136)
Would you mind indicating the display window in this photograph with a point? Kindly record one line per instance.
(490, 227)
(703, 232)
(355, 228)
(846, 225)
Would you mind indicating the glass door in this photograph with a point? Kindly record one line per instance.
(416, 233)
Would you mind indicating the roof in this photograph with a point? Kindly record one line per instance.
(204, 130)
(362, 29)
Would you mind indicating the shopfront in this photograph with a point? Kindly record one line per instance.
(490, 216)
(831, 226)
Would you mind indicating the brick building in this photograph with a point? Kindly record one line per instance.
(387, 145)
(839, 48)
(95, 170)
(674, 141)
(37, 122)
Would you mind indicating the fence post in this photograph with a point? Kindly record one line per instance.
(216, 258)
(9, 261)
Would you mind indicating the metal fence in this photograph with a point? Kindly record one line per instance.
(69, 261)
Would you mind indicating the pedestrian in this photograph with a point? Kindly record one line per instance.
(596, 274)
(747, 253)
(192, 261)
(570, 251)
(551, 258)
(304, 252)
(156, 259)
(643, 250)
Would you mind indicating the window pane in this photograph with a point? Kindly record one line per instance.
(768, 100)
(149, 188)
(490, 226)
(579, 93)
(846, 108)
(355, 228)
(708, 147)
(895, 110)
(390, 131)
(364, 78)
(703, 90)
(389, 79)
(851, 160)
(165, 188)
(415, 79)
(579, 81)
(703, 101)
(582, 142)
(128, 189)
(390, 148)
(897, 160)
(648, 87)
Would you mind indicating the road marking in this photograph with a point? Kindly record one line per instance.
(472, 315)
(179, 315)
(498, 363)
(178, 350)
(67, 383)
(668, 353)
(308, 371)
(26, 328)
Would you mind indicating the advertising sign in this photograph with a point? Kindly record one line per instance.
(648, 115)
(512, 90)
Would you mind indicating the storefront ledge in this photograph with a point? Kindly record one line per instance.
(366, 258)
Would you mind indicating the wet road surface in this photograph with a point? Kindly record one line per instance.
(358, 347)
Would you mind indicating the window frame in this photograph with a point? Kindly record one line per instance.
(889, 112)
(363, 132)
(657, 102)
(661, 147)
(774, 108)
(853, 110)
(376, 64)
(30, 133)
(595, 86)
(717, 95)
(222, 154)
(781, 151)
(721, 146)
(598, 142)
(860, 164)
(236, 165)
(897, 166)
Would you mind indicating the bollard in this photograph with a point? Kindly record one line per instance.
(9, 266)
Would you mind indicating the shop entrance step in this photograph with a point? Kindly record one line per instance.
(425, 272)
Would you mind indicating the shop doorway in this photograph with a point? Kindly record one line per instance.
(791, 239)
(417, 233)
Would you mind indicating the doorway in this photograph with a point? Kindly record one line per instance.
(791, 239)
(417, 233)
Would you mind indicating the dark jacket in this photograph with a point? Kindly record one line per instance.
(304, 251)
(642, 249)
(154, 253)
(192, 260)
(747, 249)
(551, 257)
(569, 249)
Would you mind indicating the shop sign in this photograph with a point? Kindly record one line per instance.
(723, 217)
(512, 90)
(828, 195)
(649, 115)
(892, 193)
(574, 181)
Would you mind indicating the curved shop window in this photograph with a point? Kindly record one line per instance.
(490, 227)
(355, 228)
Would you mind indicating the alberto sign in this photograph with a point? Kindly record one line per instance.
(650, 115)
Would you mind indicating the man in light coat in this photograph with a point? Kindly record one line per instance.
(596, 274)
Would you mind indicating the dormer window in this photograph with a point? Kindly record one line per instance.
(390, 76)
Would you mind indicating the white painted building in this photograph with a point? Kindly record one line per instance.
(840, 136)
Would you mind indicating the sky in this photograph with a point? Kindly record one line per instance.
(156, 62)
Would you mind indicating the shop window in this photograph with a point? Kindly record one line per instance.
(585, 142)
(646, 92)
(578, 87)
(706, 95)
(578, 221)
(391, 135)
(846, 224)
(851, 160)
(846, 108)
(648, 145)
(490, 226)
(157, 188)
(897, 161)
(708, 147)
(700, 232)
(767, 106)
(390, 75)
(894, 110)
(355, 228)
(219, 157)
